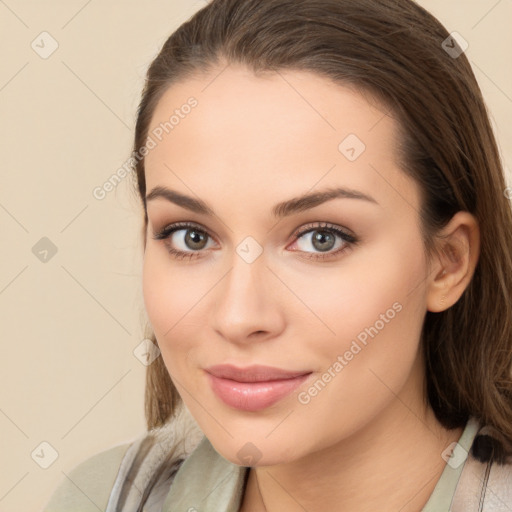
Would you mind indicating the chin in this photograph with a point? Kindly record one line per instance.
(259, 452)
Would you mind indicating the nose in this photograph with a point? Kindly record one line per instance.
(248, 306)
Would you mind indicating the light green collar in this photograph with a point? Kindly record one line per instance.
(441, 498)
(207, 482)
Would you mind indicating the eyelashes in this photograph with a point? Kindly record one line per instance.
(194, 234)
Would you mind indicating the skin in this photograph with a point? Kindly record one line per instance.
(251, 143)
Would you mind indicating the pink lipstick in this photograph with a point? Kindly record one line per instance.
(254, 387)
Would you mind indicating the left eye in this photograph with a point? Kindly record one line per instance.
(323, 240)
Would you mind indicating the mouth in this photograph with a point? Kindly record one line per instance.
(255, 387)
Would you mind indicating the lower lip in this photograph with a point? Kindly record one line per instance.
(254, 396)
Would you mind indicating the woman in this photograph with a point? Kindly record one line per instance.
(326, 271)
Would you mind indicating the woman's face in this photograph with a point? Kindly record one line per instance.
(267, 279)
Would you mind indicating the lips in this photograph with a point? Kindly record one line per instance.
(254, 373)
(254, 387)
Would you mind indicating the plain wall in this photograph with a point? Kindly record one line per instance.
(69, 324)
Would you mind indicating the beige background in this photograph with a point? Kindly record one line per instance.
(69, 325)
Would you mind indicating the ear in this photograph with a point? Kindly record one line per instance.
(454, 261)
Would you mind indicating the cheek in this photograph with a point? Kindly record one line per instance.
(167, 298)
(379, 313)
(376, 323)
(374, 310)
(370, 282)
(176, 304)
(160, 299)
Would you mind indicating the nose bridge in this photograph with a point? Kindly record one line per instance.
(245, 285)
(244, 303)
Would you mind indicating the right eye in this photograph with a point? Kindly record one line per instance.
(190, 243)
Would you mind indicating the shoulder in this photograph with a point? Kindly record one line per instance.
(485, 482)
(131, 474)
(87, 487)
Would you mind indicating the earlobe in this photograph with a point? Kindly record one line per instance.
(454, 262)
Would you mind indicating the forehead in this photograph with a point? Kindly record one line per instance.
(278, 134)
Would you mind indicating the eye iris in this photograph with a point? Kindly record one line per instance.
(194, 237)
(321, 237)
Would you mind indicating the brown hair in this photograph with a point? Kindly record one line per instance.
(392, 50)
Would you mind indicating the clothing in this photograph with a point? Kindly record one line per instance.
(198, 479)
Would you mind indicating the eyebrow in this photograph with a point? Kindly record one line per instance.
(289, 207)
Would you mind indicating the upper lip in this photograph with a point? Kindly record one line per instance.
(254, 373)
